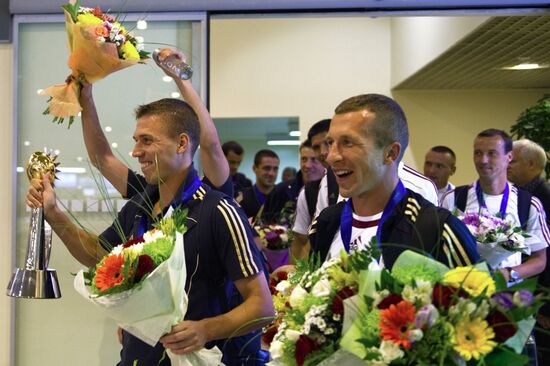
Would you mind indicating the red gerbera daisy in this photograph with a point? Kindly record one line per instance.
(395, 322)
(110, 273)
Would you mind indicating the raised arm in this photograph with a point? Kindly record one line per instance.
(214, 164)
(97, 146)
(83, 246)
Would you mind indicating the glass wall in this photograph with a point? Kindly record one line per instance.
(70, 330)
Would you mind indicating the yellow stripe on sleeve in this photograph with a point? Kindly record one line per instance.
(240, 239)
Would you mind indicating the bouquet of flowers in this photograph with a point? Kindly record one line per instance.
(420, 313)
(98, 46)
(276, 240)
(310, 305)
(141, 285)
(497, 238)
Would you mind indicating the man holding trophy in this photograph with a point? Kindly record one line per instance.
(229, 296)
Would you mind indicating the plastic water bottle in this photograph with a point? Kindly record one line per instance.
(174, 64)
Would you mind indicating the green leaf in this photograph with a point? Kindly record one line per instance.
(72, 9)
(505, 356)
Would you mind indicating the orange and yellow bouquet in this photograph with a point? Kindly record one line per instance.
(98, 46)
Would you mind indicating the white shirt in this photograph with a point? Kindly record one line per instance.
(411, 179)
(362, 231)
(441, 192)
(536, 224)
(302, 220)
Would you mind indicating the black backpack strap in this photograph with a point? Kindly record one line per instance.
(332, 188)
(524, 205)
(311, 193)
(461, 196)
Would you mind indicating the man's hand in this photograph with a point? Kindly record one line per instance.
(505, 273)
(41, 194)
(186, 336)
(168, 52)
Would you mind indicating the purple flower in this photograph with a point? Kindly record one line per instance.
(426, 317)
(471, 219)
(503, 300)
(523, 298)
(271, 236)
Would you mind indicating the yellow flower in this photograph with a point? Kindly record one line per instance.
(129, 52)
(88, 19)
(472, 338)
(471, 279)
(122, 29)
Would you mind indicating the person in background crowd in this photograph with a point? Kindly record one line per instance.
(526, 171)
(307, 199)
(266, 168)
(288, 174)
(367, 138)
(234, 153)
(439, 165)
(492, 192)
(280, 204)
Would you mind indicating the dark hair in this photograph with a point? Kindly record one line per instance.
(265, 153)
(319, 127)
(493, 132)
(390, 123)
(232, 146)
(177, 116)
(443, 150)
(289, 169)
(306, 143)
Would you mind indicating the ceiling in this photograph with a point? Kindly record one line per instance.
(476, 61)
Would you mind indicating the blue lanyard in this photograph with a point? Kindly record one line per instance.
(346, 217)
(186, 195)
(259, 195)
(503, 203)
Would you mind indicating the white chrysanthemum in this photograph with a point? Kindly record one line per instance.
(117, 250)
(152, 235)
(501, 237)
(283, 287)
(276, 350)
(322, 288)
(297, 297)
(390, 351)
(518, 239)
(320, 323)
(415, 335)
(135, 250)
(292, 335)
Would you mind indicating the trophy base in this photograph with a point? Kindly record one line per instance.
(34, 284)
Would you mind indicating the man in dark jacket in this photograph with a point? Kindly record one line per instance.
(367, 138)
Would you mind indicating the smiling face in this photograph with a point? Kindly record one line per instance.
(266, 172)
(353, 155)
(160, 155)
(311, 168)
(490, 158)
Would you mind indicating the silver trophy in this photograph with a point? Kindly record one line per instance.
(36, 280)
